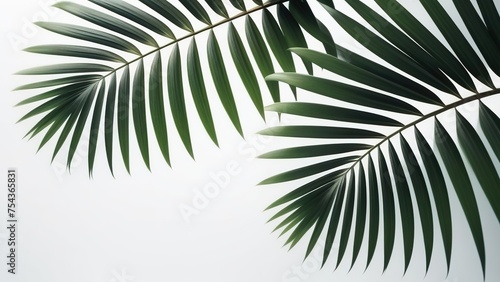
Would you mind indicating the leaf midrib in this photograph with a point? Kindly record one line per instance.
(207, 28)
(453, 105)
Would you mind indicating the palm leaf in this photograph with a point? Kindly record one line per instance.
(362, 172)
(115, 47)
(400, 182)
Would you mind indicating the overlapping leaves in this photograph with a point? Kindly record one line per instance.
(368, 177)
(361, 186)
(112, 52)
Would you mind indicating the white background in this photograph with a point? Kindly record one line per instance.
(131, 228)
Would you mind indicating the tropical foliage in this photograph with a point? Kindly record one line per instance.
(370, 163)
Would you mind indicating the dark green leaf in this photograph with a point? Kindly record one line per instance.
(423, 199)
(107, 21)
(218, 7)
(55, 119)
(320, 132)
(60, 81)
(157, 106)
(244, 68)
(66, 68)
(374, 211)
(303, 214)
(139, 112)
(480, 161)
(303, 14)
(407, 45)
(76, 51)
(361, 207)
(91, 35)
(348, 219)
(491, 18)
(238, 4)
(480, 34)
(88, 99)
(328, 47)
(388, 208)
(298, 205)
(405, 205)
(441, 199)
(345, 92)
(490, 123)
(176, 97)
(382, 71)
(326, 203)
(261, 55)
(418, 32)
(277, 43)
(335, 217)
(170, 12)
(308, 170)
(292, 32)
(355, 73)
(314, 151)
(197, 10)
(305, 209)
(137, 15)
(457, 41)
(94, 127)
(198, 90)
(291, 222)
(63, 91)
(123, 116)
(62, 96)
(109, 117)
(323, 181)
(310, 217)
(74, 108)
(221, 81)
(332, 113)
(463, 187)
(384, 50)
(61, 110)
(329, 3)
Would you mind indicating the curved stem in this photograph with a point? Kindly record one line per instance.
(432, 114)
(224, 21)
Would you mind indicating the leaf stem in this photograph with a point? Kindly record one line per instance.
(429, 115)
(224, 21)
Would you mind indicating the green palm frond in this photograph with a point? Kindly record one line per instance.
(113, 53)
(373, 163)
